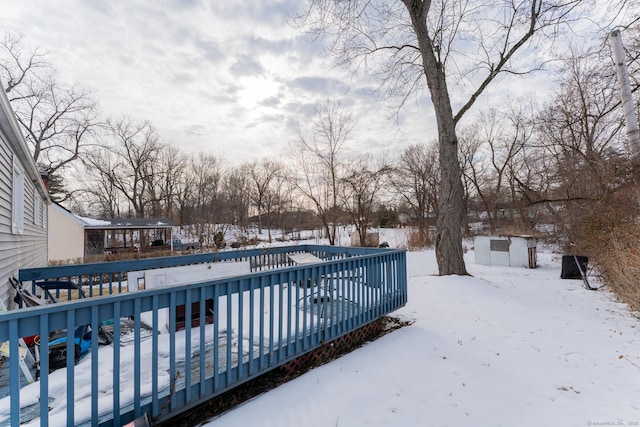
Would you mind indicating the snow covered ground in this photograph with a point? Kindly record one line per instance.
(506, 347)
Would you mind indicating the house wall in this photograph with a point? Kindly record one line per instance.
(17, 251)
(66, 235)
(27, 248)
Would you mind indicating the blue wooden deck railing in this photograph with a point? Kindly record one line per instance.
(260, 320)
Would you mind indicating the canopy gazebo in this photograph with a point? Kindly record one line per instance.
(119, 235)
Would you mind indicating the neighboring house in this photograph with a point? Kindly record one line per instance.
(24, 202)
(66, 234)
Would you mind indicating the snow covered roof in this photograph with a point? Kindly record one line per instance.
(126, 223)
(93, 222)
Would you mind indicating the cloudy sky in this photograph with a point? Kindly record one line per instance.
(230, 78)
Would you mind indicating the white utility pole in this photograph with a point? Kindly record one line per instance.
(628, 106)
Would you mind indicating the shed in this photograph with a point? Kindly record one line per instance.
(372, 240)
(506, 251)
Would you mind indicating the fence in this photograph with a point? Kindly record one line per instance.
(235, 328)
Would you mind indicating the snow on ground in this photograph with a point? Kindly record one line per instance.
(506, 347)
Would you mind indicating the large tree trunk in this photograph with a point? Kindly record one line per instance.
(448, 242)
(450, 201)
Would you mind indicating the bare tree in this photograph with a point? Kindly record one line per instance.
(261, 175)
(410, 43)
(416, 181)
(582, 143)
(493, 146)
(185, 196)
(580, 130)
(235, 187)
(320, 164)
(58, 120)
(17, 66)
(98, 187)
(172, 168)
(201, 196)
(362, 190)
(632, 44)
(135, 151)
(279, 201)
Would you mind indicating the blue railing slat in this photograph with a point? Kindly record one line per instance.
(280, 282)
(290, 333)
(154, 358)
(305, 326)
(240, 333)
(296, 334)
(271, 322)
(228, 337)
(216, 339)
(202, 331)
(44, 379)
(137, 412)
(70, 366)
(14, 372)
(94, 365)
(352, 287)
(252, 344)
(172, 344)
(187, 340)
(116, 362)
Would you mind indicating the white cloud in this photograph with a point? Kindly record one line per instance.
(212, 73)
(215, 76)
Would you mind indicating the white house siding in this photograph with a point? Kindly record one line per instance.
(28, 249)
(66, 235)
